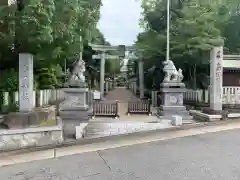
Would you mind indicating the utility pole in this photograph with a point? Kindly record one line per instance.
(81, 46)
(168, 31)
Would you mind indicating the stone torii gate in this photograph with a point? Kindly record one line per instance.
(132, 56)
(102, 68)
(102, 49)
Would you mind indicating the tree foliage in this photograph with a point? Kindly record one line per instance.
(49, 29)
(196, 27)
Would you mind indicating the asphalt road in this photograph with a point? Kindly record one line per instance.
(214, 156)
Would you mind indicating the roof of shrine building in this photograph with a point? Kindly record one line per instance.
(231, 62)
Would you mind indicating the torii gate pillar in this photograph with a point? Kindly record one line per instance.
(102, 74)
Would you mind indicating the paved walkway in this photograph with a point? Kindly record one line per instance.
(125, 124)
(211, 156)
(121, 94)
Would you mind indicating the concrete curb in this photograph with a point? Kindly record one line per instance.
(87, 141)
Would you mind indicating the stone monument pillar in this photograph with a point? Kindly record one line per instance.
(216, 72)
(26, 96)
(102, 74)
(172, 90)
(141, 78)
(74, 109)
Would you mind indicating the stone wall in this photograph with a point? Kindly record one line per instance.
(18, 120)
(108, 129)
(30, 137)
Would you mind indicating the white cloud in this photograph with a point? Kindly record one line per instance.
(119, 21)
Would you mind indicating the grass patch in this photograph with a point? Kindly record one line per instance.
(48, 123)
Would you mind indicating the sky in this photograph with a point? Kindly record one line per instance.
(119, 21)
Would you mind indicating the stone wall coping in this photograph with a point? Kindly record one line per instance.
(234, 115)
(230, 115)
(30, 130)
(211, 116)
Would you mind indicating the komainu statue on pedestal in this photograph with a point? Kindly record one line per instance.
(171, 73)
(77, 77)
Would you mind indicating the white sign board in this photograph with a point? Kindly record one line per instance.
(96, 95)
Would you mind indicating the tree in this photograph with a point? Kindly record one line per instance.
(196, 26)
(49, 29)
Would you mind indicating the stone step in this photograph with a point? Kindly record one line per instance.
(72, 115)
(172, 108)
(188, 121)
(170, 113)
(170, 117)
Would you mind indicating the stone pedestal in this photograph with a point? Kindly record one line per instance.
(74, 109)
(172, 101)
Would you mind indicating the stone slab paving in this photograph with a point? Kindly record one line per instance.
(121, 94)
(212, 156)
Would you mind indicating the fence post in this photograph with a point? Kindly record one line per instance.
(206, 96)
(16, 97)
(228, 97)
(40, 98)
(236, 97)
(117, 114)
(128, 107)
(6, 98)
(94, 108)
(200, 95)
(153, 98)
(149, 107)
